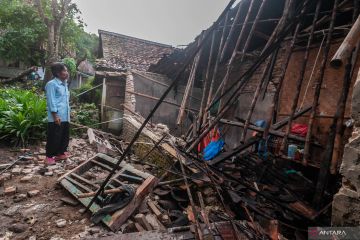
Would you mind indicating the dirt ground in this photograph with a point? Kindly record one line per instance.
(26, 217)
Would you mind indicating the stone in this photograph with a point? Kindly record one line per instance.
(69, 201)
(10, 190)
(49, 174)
(6, 176)
(82, 210)
(94, 230)
(32, 238)
(41, 157)
(19, 197)
(33, 193)
(16, 171)
(3, 166)
(61, 223)
(18, 228)
(27, 171)
(26, 178)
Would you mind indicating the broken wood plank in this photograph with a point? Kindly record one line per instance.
(120, 216)
(154, 208)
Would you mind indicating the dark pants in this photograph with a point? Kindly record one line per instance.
(57, 138)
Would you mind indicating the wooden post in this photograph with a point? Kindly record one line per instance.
(232, 58)
(328, 153)
(318, 84)
(252, 30)
(300, 80)
(103, 100)
(347, 46)
(206, 83)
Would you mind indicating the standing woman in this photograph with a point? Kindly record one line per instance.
(58, 109)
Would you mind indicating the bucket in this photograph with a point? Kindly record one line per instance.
(292, 149)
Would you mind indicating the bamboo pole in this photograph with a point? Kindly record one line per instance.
(275, 101)
(254, 100)
(176, 80)
(252, 30)
(237, 86)
(281, 24)
(221, 44)
(206, 82)
(328, 153)
(237, 45)
(231, 32)
(347, 46)
(318, 84)
(300, 80)
(189, 84)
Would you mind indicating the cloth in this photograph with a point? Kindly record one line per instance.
(57, 138)
(57, 99)
(213, 149)
(213, 135)
(113, 203)
(299, 129)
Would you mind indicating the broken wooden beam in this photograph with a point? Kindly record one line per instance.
(283, 122)
(347, 46)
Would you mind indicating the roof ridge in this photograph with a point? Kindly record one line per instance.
(130, 37)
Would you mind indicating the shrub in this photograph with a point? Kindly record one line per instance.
(85, 114)
(22, 116)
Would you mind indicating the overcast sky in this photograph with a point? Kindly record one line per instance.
(173, 22)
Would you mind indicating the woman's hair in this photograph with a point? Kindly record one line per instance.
(57, 68)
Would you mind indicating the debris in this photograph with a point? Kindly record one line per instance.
(18, 228)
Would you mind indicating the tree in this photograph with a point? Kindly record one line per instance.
(54, 20)
(21, 33)
(43, 31)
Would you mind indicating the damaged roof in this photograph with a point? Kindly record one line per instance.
(122, 51)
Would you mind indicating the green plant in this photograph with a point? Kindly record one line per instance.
(85, 114)
(22, 116)
(70, 63)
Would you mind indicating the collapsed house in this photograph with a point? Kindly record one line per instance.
(267, 86)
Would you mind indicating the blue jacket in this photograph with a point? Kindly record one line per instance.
(57, 99)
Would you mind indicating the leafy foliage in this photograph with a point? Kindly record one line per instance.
(71, 66)
(21, 32)
(22, 115)
(86, 114)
